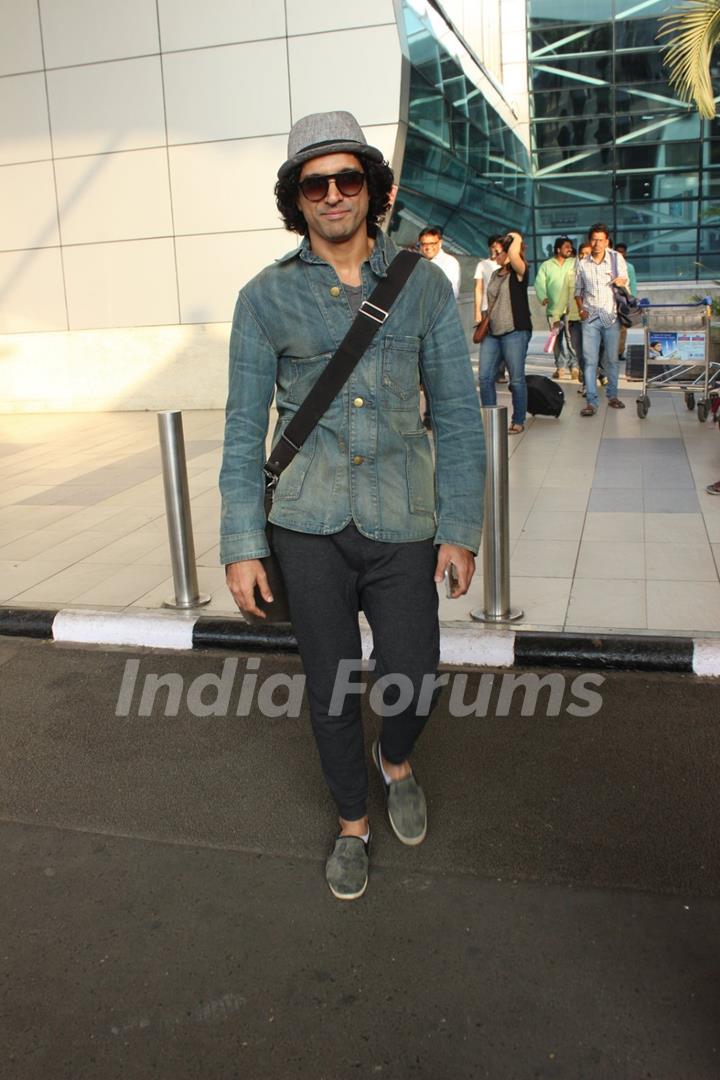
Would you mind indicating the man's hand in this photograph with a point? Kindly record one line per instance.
(545, 302)
(241, 578)
(464, 563)
(623, 281)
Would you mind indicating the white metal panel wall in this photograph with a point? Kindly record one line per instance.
(139, 144)
(136, 138)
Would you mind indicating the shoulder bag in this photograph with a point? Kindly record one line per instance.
(370, 317)
(628, 309)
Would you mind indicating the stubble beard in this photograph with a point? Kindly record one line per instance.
(340, 230)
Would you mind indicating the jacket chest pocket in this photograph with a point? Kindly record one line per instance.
(400, 377)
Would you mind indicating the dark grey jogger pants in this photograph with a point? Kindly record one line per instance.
(329, 579)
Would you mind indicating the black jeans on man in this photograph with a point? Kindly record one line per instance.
(329, 580)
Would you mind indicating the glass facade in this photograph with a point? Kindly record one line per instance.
(464, 169)
(611, 142)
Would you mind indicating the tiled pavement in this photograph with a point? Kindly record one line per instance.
(610, 526)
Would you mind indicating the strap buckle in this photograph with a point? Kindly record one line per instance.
(297, 449)
(272, 469)
(271, 479)
(381, 315)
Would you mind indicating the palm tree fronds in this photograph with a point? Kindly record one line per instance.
(695, 30)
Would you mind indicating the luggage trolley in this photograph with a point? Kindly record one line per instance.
(677, 336)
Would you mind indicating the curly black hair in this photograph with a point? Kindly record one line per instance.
(379, 183)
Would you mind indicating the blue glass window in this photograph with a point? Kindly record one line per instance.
(464, 168)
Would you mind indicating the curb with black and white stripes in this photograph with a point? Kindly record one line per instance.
(460, 646)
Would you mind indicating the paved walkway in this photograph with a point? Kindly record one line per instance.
(610, 526)
(165, 915)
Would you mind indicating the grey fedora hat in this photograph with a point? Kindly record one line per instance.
(326, 133)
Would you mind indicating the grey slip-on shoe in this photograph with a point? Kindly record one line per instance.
(346, 870)
(406, 806)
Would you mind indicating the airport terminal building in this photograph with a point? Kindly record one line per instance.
(611, 141)
(139, 145)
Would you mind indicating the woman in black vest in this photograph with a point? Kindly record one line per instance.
(510, 329)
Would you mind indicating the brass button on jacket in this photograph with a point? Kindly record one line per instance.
(358, 402)
(335, 290)
(358, 460)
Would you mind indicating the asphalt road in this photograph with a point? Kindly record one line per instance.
(164, 912)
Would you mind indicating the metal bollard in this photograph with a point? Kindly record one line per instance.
(496, 531)
(177, 508)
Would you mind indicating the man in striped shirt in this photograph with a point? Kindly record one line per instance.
(596, 306)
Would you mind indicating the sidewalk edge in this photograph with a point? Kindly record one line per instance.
(459, 646)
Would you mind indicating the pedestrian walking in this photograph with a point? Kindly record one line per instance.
(551, 290)
(430, 243)
(583, 250)
(483, 272)
(364, 517)
(510, 329)
(595, 301)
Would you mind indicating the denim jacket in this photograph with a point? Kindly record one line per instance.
(369, 460)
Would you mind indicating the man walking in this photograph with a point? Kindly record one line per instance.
(575, 324)
(431, 247)
(551, 291)
(596, 306)
(430, 242)
(364, 518)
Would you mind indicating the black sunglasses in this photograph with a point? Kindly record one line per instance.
(348, 183)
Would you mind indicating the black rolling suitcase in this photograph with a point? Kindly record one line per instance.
(545, 397)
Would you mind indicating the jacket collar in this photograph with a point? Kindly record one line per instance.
(380, 258)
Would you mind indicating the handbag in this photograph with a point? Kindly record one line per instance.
(481, 330)
(370, 317)
(628, 308)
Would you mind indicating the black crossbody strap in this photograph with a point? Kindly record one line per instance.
(367, 322)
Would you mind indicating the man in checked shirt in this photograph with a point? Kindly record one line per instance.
(594, 275)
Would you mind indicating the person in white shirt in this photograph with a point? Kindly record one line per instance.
(430, 245)
(483, 272)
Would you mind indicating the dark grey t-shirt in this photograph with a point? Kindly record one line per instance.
(354, 296)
